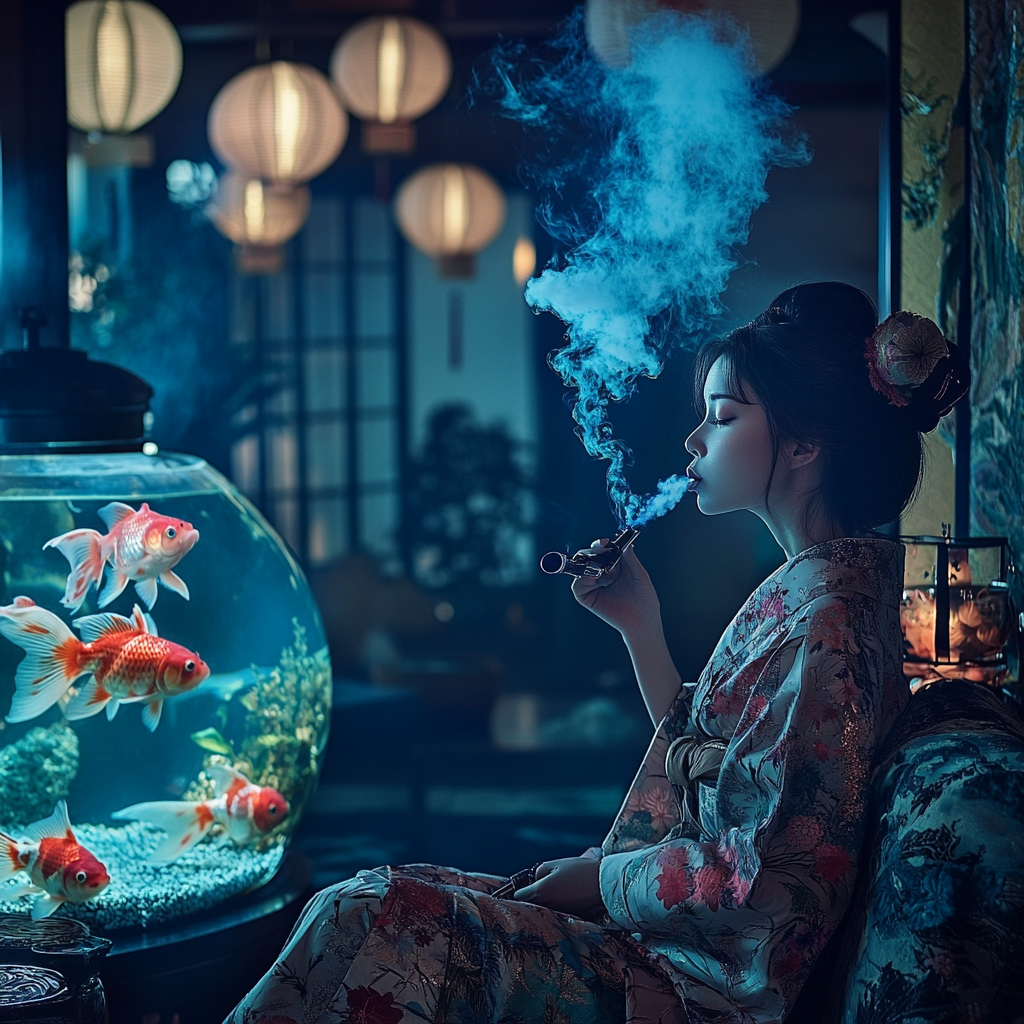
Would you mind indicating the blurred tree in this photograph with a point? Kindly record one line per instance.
(470, 504)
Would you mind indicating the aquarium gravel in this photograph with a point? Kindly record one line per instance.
(141, 893)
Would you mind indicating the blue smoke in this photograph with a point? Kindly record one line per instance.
(666, 163)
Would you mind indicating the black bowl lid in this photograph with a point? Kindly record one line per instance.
(59, 400)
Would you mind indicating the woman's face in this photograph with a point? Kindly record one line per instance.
(732, 449)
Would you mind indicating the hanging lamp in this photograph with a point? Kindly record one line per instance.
(280, 122)
(772, 24)
(390, 71)
(123, 65)
(258, 218)
(451, 212)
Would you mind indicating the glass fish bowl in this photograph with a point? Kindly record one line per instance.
(166, 686)
(955, 614)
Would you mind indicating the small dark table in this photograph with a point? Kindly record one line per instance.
(49, 971)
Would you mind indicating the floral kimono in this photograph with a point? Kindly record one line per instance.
(724, 874)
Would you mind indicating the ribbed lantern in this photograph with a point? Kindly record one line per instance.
(123, 64)
(773, 25)
(450, 212)
(280, 122)
(389, 71)
(260, 218)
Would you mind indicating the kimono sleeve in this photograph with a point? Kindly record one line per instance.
(771, 875)
(651, 809)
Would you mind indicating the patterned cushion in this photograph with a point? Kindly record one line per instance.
(936, 931)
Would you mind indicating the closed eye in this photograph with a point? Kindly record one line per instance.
(722, 423)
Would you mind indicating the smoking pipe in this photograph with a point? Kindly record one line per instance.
(593, 565)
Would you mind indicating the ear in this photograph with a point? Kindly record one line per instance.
(800, 453)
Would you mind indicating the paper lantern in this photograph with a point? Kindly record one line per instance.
(280, 122)
(123, 62)
(391, 69)
(450, 212)
(524, 260)
(773, 25)
(251, 213)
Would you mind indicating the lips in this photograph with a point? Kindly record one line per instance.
(694, 479)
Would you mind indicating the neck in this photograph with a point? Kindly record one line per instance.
(799, 528)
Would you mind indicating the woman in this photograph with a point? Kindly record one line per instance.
(734, 855)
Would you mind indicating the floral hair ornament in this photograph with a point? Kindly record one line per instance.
(902, 353)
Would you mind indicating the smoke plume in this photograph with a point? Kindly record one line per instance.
(648, 177)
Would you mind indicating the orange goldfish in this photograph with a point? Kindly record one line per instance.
(244, 812)
(60, 870)
(141, 546)
(125, 660)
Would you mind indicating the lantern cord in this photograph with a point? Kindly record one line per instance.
(262, 31)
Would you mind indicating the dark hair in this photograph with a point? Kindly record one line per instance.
(804, 358)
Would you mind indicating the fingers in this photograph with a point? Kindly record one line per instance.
(596, 547)
(529, 892)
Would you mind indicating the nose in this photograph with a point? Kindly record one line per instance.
(694, 445)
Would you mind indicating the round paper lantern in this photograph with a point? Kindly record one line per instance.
(123, 62)
(524, 260)
(391, 69)
(773, 25)
(450, 210)
(251, 213)
(280, 122)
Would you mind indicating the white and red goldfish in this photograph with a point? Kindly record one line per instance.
(59, 869)
(124, 658)
(243, 810)
(141, 546)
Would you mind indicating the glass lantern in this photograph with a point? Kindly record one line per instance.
(955, 614)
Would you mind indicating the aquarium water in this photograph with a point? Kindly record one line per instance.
(263, 710)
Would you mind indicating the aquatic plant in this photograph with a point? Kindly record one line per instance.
(285, 731)
(37, 771)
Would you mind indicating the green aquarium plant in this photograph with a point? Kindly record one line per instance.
(285, 729)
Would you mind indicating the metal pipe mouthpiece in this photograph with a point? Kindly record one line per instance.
(583, 563)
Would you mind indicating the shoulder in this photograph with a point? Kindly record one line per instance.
(869, 566)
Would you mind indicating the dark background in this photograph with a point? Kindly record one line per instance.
(821, 223)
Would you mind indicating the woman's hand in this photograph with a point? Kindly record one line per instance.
(570, 885)
(624, 598)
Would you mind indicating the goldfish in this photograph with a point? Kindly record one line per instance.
(59, 868)
(141, 546)
(244, 812)
(124, 658)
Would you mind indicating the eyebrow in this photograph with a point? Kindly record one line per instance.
(733, 398)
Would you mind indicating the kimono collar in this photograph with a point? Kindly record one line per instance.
(872, 566)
